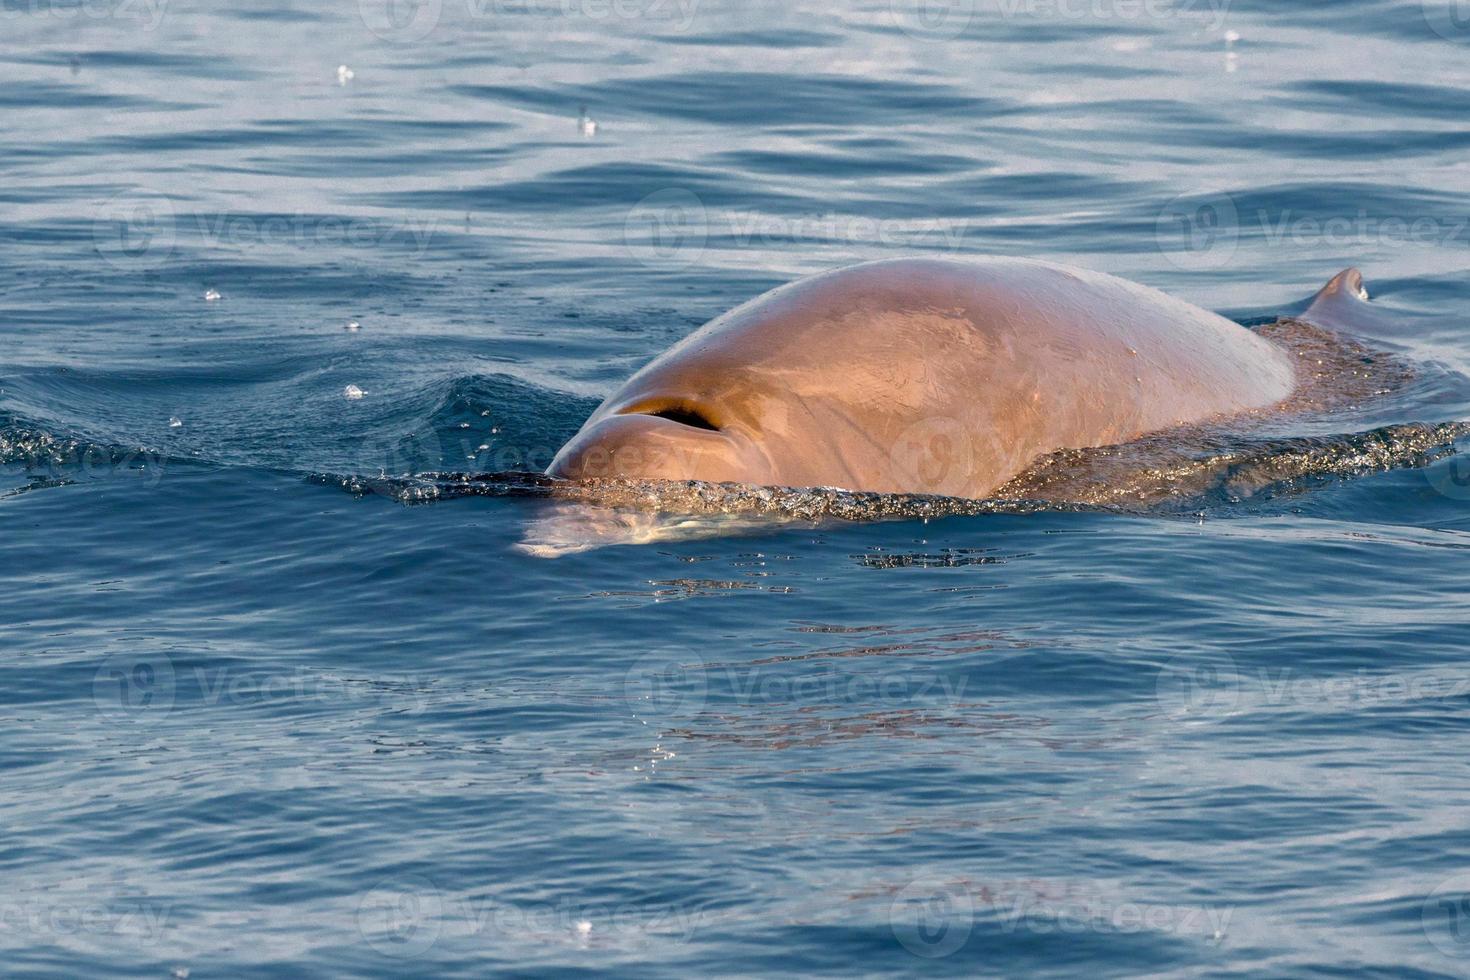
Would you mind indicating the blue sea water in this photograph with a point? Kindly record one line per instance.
(254, 725)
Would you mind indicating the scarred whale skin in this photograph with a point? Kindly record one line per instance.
(924, 376)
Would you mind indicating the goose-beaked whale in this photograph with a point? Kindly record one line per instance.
(930, 376)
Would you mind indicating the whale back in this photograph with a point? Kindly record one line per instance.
(950, 376)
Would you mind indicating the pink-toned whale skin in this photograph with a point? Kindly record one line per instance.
(927, 376)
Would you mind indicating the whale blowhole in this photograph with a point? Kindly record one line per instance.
(684, 416)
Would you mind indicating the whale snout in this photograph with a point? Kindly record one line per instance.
(675, 443)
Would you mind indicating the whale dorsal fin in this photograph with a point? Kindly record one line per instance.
(1342, 304)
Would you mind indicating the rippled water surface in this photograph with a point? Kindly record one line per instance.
(261, 718)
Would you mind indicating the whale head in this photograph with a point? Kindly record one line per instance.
(847, 379)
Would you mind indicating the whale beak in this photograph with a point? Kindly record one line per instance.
(664, 442)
